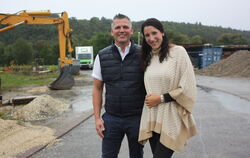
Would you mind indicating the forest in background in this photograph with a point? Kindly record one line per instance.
(38, 44)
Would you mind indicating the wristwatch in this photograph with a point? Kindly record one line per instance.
(162, 99)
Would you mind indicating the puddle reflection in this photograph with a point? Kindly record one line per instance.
(84, 101)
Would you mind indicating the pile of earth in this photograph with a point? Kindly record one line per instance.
(41, 108)
(236, 65)
(17, 136)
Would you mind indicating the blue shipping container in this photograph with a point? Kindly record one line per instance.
(209, 55)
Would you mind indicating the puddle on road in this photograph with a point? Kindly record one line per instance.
(232, 102)
(81, 106)
(84, 101)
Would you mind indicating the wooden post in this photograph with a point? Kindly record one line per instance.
(1, 98)
(1, 101)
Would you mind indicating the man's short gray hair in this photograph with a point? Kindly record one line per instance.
(120, 16)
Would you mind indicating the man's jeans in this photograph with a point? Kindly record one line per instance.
(115, 129)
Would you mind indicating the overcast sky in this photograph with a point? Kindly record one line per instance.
(225, 13)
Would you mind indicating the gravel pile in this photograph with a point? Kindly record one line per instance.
(41, 108)
(16, 138)
(236, 65)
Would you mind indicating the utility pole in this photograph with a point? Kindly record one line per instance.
(138, 38)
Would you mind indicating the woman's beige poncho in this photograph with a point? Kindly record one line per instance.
(172, 120)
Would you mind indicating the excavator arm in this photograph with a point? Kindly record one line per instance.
(38, 18)
(65, 80)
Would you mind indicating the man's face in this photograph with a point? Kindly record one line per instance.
(121, 31)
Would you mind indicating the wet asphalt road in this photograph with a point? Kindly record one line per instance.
(223, 131)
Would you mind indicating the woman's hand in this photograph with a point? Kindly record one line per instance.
(152, 100)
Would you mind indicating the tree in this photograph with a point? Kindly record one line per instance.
(137, 37)
(22, 51)
(47, 52)
(2, 58)
(9, 54)
(46, 55)
(85, 32)
(229, 38)
(196, 40)
(55, 50)
(180, 38)
(100, 41)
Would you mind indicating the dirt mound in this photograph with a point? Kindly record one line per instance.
(236, 65)
(41, 108)
(16, 138)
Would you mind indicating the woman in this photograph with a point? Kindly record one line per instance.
(170, 83)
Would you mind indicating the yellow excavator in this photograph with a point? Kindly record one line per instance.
(10, 21)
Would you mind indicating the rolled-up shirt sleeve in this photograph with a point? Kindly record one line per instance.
(96, 73)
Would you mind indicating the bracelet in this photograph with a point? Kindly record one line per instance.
(162, 99)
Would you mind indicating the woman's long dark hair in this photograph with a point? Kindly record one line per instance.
(146, 49)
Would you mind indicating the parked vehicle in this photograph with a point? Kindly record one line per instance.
(85, 55)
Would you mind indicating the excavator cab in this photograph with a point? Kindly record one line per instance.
(65, 79)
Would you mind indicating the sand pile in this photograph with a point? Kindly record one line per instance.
(236, 65)
(16, 138)
(41, 108)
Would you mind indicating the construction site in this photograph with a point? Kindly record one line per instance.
(43, 121)
(56, 120)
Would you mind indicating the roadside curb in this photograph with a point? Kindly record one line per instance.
(59, 133)
(206, 87)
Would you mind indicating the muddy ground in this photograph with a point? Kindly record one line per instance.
(23, 133)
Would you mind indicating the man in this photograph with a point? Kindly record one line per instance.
(118, 68)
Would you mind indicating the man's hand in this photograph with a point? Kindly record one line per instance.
(152, 100)
(97, 105)
(99, 127)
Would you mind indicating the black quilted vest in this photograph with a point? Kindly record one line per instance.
(125, 91)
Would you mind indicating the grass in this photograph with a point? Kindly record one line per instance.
(11, 80)
(2, 115)
(22, 76)
(7, 116)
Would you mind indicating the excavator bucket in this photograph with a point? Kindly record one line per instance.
(75, 70)
(64, 81)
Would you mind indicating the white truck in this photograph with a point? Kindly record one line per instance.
(85, 55)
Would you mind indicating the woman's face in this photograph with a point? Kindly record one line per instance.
(153, 36)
